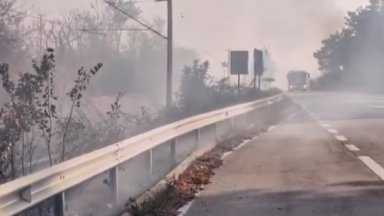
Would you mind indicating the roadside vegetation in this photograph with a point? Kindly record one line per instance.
(351, 58)
(44, 91)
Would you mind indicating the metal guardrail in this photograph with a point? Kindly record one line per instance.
(25, 192)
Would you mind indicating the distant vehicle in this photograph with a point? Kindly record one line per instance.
(298, 80)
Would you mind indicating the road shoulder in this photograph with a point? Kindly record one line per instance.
(296, 169)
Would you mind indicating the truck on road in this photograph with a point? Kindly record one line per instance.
(298, 80)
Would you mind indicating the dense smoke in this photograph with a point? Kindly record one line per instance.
(292, 30)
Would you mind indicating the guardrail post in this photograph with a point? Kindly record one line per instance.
(173, 150)
(149, 160)
(197, 136)
(245, 122)
(114, 182)
(217, 131)
(60, 204)
(26, 194)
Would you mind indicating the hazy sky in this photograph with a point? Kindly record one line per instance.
(291, 29)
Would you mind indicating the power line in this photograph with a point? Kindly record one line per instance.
(137, 20)
(113, 29)
(38, 17)
(143, 1)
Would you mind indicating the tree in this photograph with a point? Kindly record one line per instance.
(10, 41)
(352, 57)
(195, 95)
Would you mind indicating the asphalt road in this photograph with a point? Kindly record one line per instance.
(326, 159)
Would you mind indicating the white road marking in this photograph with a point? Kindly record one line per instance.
(271, 128)
(314, 116)
(341, 138)
(183, 210)
(332, 131)
(378, 107)
(226, 154)
(352, 148)
(324, 125)
(323, 122)
(291, 116)
(373, 166)
(241, 145)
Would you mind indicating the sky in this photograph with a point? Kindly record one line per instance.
(291, 30)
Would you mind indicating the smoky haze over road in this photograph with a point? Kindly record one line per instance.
(323, 154)
(292, 30)
(326, 159)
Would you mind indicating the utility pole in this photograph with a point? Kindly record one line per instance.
(169, 54)
(40, 52)
(169, 39)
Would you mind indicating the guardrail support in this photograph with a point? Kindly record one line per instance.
(60, 204)
(198, 138)
(26, 194)
(114, 182)
(217, 131)
(173, 150)
(149, 160)
(245, 122)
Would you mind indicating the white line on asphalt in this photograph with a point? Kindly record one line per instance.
(324, 125)
(271, 128)
(226, 154)
(352, 147)
(341, 138)
(240, 146)
(373, 166)
(183, 210)
(332, 131)
(313, 116)
(290, 116)
(378, 107)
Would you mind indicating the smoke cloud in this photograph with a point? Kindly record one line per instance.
(291, 29)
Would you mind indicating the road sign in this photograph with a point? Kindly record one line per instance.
(238, 62)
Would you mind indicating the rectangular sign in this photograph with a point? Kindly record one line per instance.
(238, 62)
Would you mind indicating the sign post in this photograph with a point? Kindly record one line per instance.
(238, 65)
(258, 67)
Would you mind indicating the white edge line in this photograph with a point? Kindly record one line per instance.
(341, 138)
(271, 128)
(290, 116)
(240, 146)
(373, 166)
(324, 125)
(352, 147)
(378, 107)
(226, 154)
(183, 210)
(332, 131)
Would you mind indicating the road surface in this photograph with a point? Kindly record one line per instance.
(326, 159)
